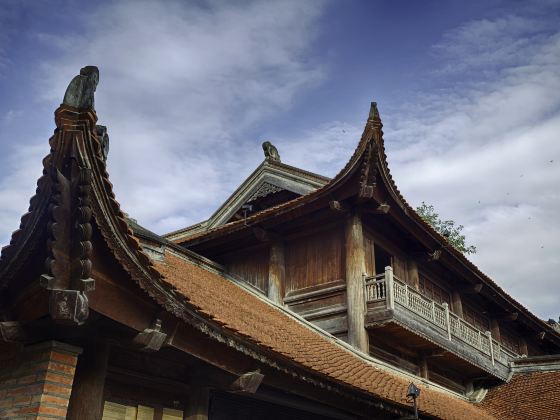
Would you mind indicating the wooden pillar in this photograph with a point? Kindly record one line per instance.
(355, 268)
(523, 346)
(198, 404)
(457, 304)
(423, 367)
(413, 276)
(276, 273)
(495, 330)
(86, 400)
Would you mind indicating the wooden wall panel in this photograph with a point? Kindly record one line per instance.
(251, 266)
(314, 259)
(369, 250)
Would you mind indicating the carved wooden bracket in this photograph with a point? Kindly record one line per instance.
(68, 265)
(509, 316)
(477, 288)
(248, 382)
(434, 255)
(368, 171)
(151, 339)
(12, 332)
(338, 207)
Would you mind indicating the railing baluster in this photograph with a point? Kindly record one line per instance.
(489, 334)
(447, 321)
(389, 287)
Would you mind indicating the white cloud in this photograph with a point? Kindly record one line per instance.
(179, 82)
(487, 155)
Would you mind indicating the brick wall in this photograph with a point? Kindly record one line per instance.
(36, 381)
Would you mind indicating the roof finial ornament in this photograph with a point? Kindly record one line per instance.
(80, 92)
(271, 152)
(373, 111)
(101, 132)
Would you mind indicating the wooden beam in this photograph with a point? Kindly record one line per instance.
(355, 269)
(276, 273)
(86, 400)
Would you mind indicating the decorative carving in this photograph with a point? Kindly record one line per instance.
(383, 208)
(368, 172)
(68, 265)
(271, 152)
(103, 137)
(435, 255)
(264, 189)
(151, 339)
(248, 382)
(12, 332)
(80, 91)
(338, 207)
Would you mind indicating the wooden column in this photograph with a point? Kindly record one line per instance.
(355, 268)
(458, 304)
(495, 330)
(276, 272)
(198, 404)
(523, 346)
(423, 367)
(86, 400)
(413, 276)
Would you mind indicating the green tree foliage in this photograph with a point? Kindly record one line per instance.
(446, 228)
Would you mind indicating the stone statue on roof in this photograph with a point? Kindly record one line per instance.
(271, 152)
(79, 92)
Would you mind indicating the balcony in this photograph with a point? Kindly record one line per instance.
(389, 300)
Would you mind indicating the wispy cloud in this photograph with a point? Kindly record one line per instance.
(180, 81)
(486, 153)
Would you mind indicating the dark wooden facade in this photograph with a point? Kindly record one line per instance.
(338, 243)
(101, 318)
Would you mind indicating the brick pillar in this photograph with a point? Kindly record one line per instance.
(36, 382)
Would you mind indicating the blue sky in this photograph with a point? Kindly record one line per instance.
(468, 93)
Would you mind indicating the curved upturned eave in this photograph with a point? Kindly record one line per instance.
(451, 251)
(339, 180)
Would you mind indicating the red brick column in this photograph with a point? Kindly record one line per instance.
(37, 381)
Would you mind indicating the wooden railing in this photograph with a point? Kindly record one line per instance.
(389, 289)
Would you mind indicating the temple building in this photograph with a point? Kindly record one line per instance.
(301, 297)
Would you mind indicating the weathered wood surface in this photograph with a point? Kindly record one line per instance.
(86, 400)
(197, 405)
(276, 272)
(355, 269)
(251, 265)
(314, 259)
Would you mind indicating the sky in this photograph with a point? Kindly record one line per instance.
(469, 94)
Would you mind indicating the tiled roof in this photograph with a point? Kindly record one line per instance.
(527, 396)
(252, 319)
